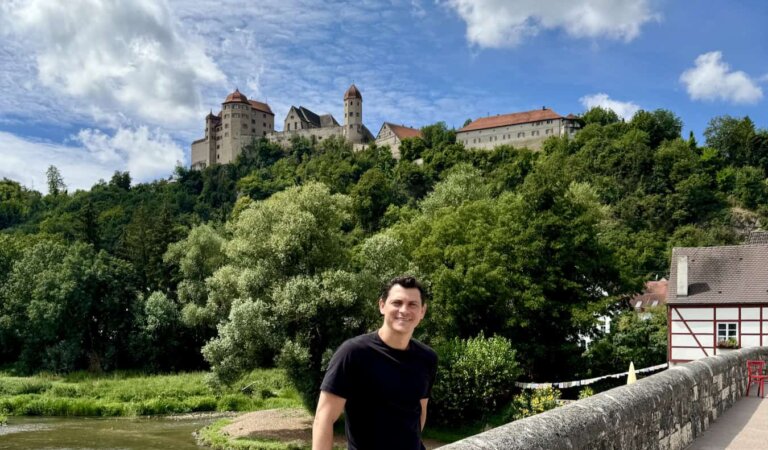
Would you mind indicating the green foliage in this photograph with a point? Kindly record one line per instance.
(533, 401)
(638, 338)
(76, 306)
(285, 289)
(586, 392)
(56, 184)
(600, 116)
(83, 394)
(475, 379)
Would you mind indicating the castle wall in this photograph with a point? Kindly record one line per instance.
(530, 135)
(313, 134)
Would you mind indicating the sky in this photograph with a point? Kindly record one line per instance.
(98, 86)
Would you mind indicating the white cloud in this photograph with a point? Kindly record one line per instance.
(145, 154)
(27, 160)
(505, 23)
(113, 56)
(713, 79)
(625, 110)
(95, 155)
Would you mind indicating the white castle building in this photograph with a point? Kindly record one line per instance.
(240, 121)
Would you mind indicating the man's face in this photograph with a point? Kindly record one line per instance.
(402, 309)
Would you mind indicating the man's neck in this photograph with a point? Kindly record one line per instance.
(394, 340)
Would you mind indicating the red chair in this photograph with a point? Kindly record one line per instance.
(755, 375)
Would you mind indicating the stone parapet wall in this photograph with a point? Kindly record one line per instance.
(663, 411)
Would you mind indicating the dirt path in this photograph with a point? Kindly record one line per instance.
(286, 425)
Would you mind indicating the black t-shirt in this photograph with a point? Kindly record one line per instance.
(383, 387)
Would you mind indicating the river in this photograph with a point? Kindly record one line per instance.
(77, 433)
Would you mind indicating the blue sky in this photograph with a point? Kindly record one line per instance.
(94, 86)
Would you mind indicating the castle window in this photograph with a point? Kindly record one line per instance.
(264, 115)
(289, 127)
(264, 124)
(226, 134)
(226, 116)
(253, 130)
(253, 121)
(245, 125)
(226, 125)
(358, 114)
(265, 133)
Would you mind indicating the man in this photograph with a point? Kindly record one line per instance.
(380, 380)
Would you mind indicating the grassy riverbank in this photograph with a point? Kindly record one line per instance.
(125, 394)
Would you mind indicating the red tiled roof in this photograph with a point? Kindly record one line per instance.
(403, 132)
(655, 291)
(236, 97)
(511, 119)
(352, 92)
(261, 106)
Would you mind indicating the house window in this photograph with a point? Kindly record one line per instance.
(726, 331)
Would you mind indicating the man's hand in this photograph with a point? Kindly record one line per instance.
(329, 408)
(423, 412)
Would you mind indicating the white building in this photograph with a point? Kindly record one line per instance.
(523, 129)
(716, 294)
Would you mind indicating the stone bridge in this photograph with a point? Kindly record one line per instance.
(668, 410)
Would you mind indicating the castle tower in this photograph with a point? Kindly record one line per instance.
(353, 108)
(235, 131)
(211, 122)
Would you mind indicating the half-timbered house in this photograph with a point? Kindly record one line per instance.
(717, 300)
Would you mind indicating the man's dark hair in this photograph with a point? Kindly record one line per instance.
(406, 282)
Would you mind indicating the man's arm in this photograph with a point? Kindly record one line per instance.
(329, 408)
(423, 412)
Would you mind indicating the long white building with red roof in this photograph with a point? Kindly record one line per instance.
(523, 129)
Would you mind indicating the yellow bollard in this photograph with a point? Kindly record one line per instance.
(631, 377)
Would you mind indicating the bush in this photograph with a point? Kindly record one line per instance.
(474, 379)
(532, 402)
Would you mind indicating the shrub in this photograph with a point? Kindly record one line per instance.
(586, 392)
(475, 378)
(532, 402)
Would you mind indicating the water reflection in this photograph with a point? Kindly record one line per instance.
(54, 433)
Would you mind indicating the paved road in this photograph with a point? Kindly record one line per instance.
(743, 427)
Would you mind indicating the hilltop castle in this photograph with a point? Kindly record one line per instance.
(241, 120)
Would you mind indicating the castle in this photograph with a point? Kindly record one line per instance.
(240, 121)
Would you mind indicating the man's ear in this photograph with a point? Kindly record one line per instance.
(381, 305)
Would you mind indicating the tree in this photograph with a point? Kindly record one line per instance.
(287, 289)
(55, 181)
(661, 125)
(637, 338)
(732, 137)
(371, 197)
(600, 116)
(197, 257)
(69, 308)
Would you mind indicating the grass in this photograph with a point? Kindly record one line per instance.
(211, 436)
(129, 394)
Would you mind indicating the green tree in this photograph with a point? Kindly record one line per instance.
(732, 137)
(288, 289)
(55, 181)
(69, 307)
(660, 125)
(600, 116)
(640, 338)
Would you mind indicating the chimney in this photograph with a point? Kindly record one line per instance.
(682, 276)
